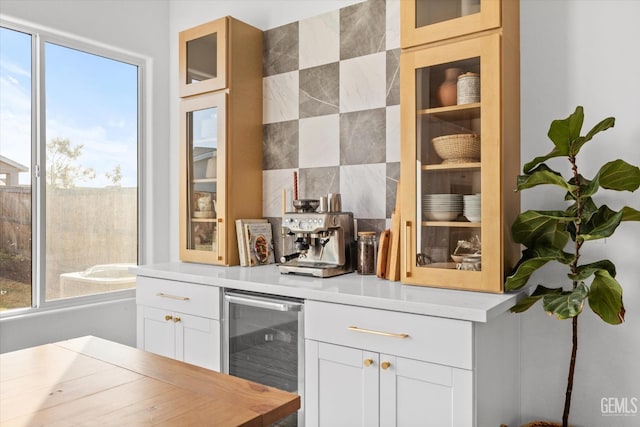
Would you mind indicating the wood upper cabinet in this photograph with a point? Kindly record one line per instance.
(428, 21)
(203, 58)
(460, 156)
(221, 150)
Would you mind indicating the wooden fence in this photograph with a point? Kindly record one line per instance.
(84, 227)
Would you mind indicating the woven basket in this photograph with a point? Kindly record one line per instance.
(458, 147)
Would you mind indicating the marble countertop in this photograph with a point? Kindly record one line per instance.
(350, 289)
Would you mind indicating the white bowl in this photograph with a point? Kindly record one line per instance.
(441, 216)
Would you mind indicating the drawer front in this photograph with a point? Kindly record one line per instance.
(431, 339)
(183, 297)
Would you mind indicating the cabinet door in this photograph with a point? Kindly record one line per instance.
(197, 340)
(203, 58)
(426, 21)
(341, 386)
(202, 172)
(415, 393)
(458, 169)
(156, 331)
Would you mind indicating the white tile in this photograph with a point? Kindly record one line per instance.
(363, 190)
(280, 97)
(363, 83)
(319, 40)
(319, 141)
(393, 133)
(273, 182)
(392, 38)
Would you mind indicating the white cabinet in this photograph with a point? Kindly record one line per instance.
(179, 320)
(368, 367)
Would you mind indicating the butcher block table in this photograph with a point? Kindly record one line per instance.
(90, 381)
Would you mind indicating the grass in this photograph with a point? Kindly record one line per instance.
(15, 281)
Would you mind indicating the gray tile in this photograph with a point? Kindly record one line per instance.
(316, 182)
(393, 77)
(369, 224)
(319, 90)
(363, 137)
(362, 29)
(392, 178)
(280, 145)
(280, 50)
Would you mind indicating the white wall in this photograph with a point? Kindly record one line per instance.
(583, 52)
(140, 27)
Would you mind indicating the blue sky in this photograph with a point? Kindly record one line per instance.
(90, 100)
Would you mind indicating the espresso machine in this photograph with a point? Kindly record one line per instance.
(324, 242)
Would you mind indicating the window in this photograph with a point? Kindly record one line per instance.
(69, 144)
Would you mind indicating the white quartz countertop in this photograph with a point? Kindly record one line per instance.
(350, 289)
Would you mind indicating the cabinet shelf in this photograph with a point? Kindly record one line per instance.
(454, 112)
(204, 219)
(448, 167)
(450, 224)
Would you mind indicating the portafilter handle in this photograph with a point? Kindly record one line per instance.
(285, 258)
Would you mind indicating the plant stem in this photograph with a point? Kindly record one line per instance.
(574, 270)
(572, 366)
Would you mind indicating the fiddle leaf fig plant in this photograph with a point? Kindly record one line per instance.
(558, 235)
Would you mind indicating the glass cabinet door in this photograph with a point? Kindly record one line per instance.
(452, 170)
(203, 58)
(426, 21)
(202, 177)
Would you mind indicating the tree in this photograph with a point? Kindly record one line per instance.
(115, 176)
(63, 171)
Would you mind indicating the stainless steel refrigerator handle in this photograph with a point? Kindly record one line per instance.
(266, 303)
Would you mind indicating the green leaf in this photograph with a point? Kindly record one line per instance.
(585, 271)
(532, 260)
(528, 167)
(568, 304)
(619, 175)
(630, 214)
(541, 228)
(602, 224)
(543, 175)
(564, 132)
(605, 124)
(525, 303)
(605, 298)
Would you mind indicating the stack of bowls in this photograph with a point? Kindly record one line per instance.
(441, 207)
(472, 207)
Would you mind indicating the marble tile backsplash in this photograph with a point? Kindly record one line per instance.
(331, 110)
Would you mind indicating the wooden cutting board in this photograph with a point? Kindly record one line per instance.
(393, 261)
(383, 252)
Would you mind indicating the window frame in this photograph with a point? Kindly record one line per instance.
(40, 36)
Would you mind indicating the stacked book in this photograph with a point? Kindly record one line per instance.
(255, 242)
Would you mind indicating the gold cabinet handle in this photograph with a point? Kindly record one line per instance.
(407, 248)
(371, 331)
(176, 319)
(163, 295)
(385, 365)
(368, 362)
(218, 238)
(168, 317)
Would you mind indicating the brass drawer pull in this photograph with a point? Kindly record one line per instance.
(163, 295)
(371, 331)
(176, 319)
(368, 362)
(385, 365)
(168, 317)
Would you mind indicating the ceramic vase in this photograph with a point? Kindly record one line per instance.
(448, 90)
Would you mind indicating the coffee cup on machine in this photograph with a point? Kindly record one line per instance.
(335, 202)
